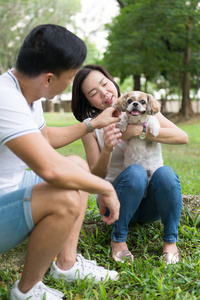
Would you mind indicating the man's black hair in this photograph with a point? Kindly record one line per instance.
(50, 48)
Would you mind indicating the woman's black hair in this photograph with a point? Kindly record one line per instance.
(80, 105)
(50, 48)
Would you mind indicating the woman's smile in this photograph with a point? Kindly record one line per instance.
(110, 100)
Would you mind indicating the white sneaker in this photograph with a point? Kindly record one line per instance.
(81, 269)
(38, 292)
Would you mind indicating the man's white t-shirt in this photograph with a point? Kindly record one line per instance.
(17, 118)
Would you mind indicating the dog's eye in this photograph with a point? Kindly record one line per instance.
(143, 102)
(129, 101)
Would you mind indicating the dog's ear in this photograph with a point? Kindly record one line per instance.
(124, 103)
(153, 106)
(117, 106)
(120, 104)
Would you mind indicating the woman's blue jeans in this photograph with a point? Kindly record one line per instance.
(163, 201)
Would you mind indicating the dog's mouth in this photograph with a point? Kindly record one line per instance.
(136, 112)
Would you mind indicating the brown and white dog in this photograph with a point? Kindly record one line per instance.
(139, 108)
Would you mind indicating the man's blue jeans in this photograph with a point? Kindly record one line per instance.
(163, 201)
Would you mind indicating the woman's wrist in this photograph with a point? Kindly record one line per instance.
(106, 150)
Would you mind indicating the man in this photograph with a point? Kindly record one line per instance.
(48, 203)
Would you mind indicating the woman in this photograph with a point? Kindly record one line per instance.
(93, 91)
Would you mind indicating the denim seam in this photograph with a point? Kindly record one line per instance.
(27, 208)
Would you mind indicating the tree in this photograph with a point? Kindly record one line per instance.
(192, 43)
(152, 37)
(18, 17)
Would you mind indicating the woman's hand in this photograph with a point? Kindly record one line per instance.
(111, 138)
(169, 133)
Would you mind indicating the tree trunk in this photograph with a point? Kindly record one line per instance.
(146, 85)
(137, 85)
(186, 108)
(121, 3)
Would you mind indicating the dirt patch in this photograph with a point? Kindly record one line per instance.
(15, 258)
(192, 203)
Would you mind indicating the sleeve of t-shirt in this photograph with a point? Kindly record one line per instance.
(17, 118)
(38, 115)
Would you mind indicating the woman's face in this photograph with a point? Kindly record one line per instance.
(99, 90)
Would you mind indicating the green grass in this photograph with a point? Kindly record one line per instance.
(61, 120)
(148, 277)
(184, 159)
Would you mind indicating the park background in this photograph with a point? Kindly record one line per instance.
(147, 45)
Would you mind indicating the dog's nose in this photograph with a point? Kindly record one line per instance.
(135, 104)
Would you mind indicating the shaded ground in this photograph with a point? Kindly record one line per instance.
(178, 118)
(15, 258)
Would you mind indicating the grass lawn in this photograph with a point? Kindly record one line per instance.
(148, 277)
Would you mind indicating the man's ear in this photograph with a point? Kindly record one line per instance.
(48, 79)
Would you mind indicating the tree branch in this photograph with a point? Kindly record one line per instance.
(121, 3)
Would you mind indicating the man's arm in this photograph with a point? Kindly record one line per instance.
(60, 171)
(61, 136)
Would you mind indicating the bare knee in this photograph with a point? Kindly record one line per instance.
(68, 203)
(47, 200)
(79, 161)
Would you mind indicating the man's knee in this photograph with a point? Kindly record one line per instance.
(69, 203)
(47, 200)
(79, 161)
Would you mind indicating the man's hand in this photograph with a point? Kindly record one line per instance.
(107, 117)
(113, 205)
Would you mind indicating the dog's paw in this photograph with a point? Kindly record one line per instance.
(122, 126)
(154, 131)
(123, 123)
(153, 125)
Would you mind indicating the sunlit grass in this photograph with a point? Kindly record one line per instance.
(184, 159)
(61, 120)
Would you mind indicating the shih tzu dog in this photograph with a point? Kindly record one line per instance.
(139, 108)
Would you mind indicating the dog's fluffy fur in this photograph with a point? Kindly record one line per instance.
(138, 108)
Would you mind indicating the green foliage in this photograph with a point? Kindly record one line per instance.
(93, 54)
(149, 37)
(18, 17)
